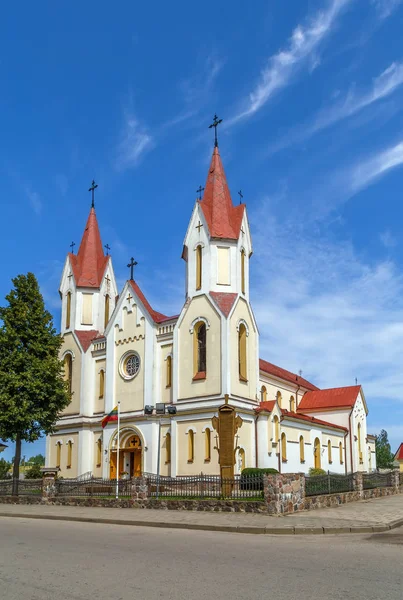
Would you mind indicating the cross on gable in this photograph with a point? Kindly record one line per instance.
(243, 233)
(108, 281)
(199, 226)
(70, 275)
(131, 266)
(129, 297)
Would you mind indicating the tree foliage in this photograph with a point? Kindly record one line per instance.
(384, 455)
(34, 472)
(32, 391)
(38, 459)
(4, 468)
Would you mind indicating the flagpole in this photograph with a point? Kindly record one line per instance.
(117, 466)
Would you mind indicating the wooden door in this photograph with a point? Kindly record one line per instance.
(137, 463)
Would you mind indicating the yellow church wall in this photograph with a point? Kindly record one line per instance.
(165, 390)
(64, 439)
(245, 441)
(99, 402)
(165, 463)
(246, 389)
(199, 464)
(69, 344)
(272, 390)
(130, 392)
(188, 388)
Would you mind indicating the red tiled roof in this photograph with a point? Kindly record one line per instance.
(85, 337)
(90, 262)
(399, 453)
(283, 374)
(331, 398)
(157, 317)
(224, 300)
(223, 218)
(299, 416)
(266, 405)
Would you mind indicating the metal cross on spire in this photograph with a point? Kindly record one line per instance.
(199, 191)
(72, 247)
(92, 189)
(107, 248)
(215, 124)
(240, 194)
(131, 266)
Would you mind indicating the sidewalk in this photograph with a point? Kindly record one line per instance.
(366, 516)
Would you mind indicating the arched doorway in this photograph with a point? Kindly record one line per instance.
(130, 455)
(316, 453)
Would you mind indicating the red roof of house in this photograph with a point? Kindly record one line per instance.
(267, 405)
(157, 317)
(399, 453)
(224, 300)
(224, 220)
(90, 262)
(343, 397)
(271, 369)
(85, 337)
(301, 417)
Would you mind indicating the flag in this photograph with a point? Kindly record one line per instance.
(113, 416)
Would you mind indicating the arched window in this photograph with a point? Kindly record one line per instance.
(169, 371)
(101, 383)
(341, 453)
(276, 428)
(283, 448)
(243, 271)
(279, 398)
(68, 370)
(69, 453)
(359, 443)
(106, 320)
(191, 446)
(199, 349)
(301, 449)
(292, 404)
(242, 459)
(317, 454)
(207, 452)
(199, 267)
(68, 310)
(329, 452)
(99, 452)
(167, 448)
(263, 394)
(58, 453)
(243, 375)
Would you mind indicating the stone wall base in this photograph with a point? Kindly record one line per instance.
(329, 500)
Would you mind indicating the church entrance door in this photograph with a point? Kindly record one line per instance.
(130, 458)
(113, 464)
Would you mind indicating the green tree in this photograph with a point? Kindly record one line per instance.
(384, 455)
(38, 459)
(34, 472)
(32, 390)
(4, 468)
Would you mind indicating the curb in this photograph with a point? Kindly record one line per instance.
(220, 528)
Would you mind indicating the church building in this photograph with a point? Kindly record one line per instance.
(171, 374)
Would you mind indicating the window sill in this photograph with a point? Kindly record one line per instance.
(98, 465)
(207, 460)
(199, 376)
(100, 398)
(330, 462)
(243, 379)
(284, 460)
(167, 387)
(68, 467)
(167, 462)
(190, 462)
(302, 462)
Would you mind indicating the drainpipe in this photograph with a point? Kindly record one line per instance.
(256, 443)
(351, 441)
(345, 453)
(296, 398)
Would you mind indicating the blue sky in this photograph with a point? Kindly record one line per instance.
(311, 97)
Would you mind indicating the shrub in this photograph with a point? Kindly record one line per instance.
(5, 467)
(314, 472)
(33, 472)
(252, 478)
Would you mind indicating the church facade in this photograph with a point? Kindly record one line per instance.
(171, 374)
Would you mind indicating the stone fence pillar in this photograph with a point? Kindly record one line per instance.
(284, 494)
(49, 476)
(395, 479)
(358, 484)
(139, 489)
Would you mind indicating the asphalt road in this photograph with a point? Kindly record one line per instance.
(43, 560)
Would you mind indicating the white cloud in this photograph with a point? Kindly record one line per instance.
(382, 86)
(366, 172)
(387, 239)
(135, 142)
(35, 201)
(386, 7)
(281, 67)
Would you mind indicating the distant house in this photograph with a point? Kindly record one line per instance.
(399, 456)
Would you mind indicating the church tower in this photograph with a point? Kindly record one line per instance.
(88, 287)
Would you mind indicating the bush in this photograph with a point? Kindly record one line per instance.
(313, 472)
(33, 472)
(252, 478)
(4, 469)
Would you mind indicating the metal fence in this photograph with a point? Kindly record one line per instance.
(93, 487)
(205, 487)
(21, 487)
(328, 484)
(377, 480)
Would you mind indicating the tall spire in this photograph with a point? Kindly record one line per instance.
(224, 220)
(90, 262)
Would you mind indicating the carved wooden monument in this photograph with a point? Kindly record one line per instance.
(226, 426)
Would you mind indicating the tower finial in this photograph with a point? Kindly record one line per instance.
(92, 189)
(215, 124)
